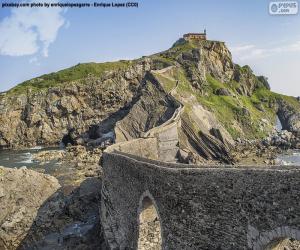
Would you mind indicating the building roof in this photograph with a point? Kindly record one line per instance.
(194, 34)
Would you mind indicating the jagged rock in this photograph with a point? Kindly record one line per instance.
(208, 58)
(207, 146)
(66, 112)
(223, 91)
(247, 80)
(130, 101)
(22, 192)
(260, 107)
(68, 220)
(245, 112)
(264, 81)
(152, 109)
(289, 117)
(44, 156)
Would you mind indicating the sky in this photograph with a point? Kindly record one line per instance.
(35, 41)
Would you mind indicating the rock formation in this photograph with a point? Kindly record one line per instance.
(190, 103)
(99, 104)
(22, 193)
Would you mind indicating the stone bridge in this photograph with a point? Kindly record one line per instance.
(194, 207)
(199, 207)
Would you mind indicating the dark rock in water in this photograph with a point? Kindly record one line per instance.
(282, 140)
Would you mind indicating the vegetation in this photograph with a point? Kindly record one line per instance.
(241, 115)
(74, 73)
(168, 83)
(238, 113)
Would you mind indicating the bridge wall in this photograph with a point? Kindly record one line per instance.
(198, 207)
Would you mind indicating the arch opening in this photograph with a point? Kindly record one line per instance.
(283, 244)
(149, 226)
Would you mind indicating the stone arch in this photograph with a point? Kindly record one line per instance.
(283, 244)
(149, 224)
(272, 240)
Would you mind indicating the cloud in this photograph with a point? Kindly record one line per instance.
(27, 31)
(250, 51)
(242, 48)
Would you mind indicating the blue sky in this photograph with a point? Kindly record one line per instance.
(38, 41)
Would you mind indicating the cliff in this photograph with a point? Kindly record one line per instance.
(98, 104)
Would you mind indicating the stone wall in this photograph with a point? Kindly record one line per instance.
(158, 143)
(200, 207)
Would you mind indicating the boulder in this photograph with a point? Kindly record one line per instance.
(22, 193)
(223, 91)
(289, 116)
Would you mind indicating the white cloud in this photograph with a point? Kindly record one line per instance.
(247, 52)
(242, 48)
(29, 30)
(294, 47)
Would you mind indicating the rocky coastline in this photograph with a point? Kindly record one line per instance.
(223, 112)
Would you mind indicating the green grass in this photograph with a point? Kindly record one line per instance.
(163, 60)
(80, 71)
(229, 109)
(184, 86)
(269, 96)
(167, 83)
(175, 51)
(213, 83)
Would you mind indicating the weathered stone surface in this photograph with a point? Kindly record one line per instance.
(264, 81)
(153, 108)
(68, 220)
(223, 91)
(66, 112)
(200, 207)
(22, 192)
(149, 226)
(289, 117)
(124, 104)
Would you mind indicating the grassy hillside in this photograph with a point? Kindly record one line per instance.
(243, 116)
(251, 114)
(80, 71)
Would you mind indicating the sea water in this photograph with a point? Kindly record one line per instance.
(290, 158)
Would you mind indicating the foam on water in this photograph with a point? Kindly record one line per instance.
(20, 158)
(290, 158)
(26, 158)
(36, 148)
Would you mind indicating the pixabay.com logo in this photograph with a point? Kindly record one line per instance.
(283, 8)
